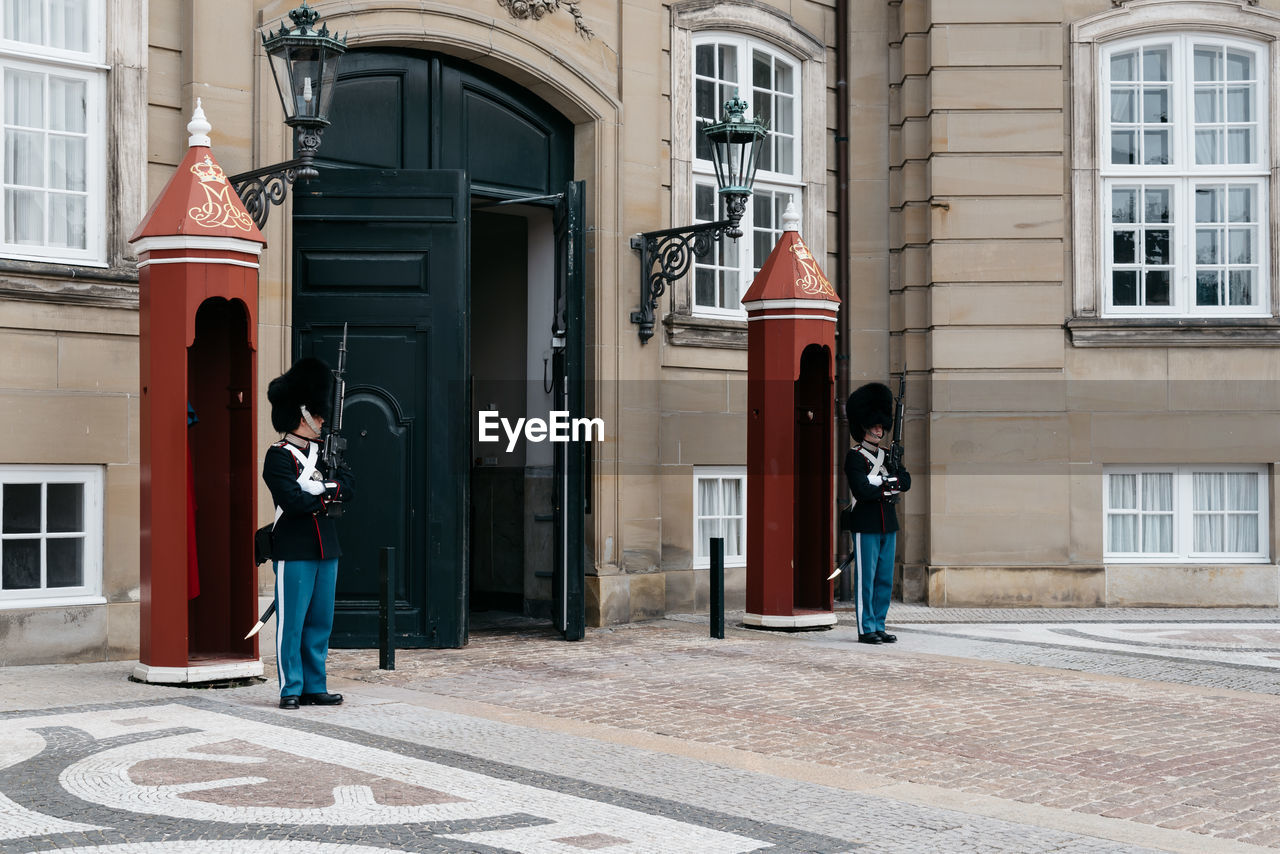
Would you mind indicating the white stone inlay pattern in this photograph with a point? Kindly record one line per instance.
(226, 769)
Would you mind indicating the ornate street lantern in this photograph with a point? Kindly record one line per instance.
(735, 153)
(304, 63)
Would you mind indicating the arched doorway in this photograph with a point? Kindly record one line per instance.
(449, 303)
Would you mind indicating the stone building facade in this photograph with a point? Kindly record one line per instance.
(1054, 215)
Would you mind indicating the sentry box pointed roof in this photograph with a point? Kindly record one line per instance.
(198, 201)
(791, 273)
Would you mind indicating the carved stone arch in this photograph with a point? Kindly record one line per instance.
(1235, 18)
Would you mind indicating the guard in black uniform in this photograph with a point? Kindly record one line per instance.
(872, 519)
(304, 540)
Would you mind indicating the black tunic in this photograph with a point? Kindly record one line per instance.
(304, 531)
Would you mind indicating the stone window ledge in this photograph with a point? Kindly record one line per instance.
(1166, 332)
(686, 330)
(104, 287)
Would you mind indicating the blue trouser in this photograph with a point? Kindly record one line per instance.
(304, 619)
(873, 579)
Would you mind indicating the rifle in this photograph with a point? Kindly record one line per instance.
(334, 447)
(899, 411)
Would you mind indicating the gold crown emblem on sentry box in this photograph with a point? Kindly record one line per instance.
(206, 170)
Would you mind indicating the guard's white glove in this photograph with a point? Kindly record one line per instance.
(312, 487)
(875, 479)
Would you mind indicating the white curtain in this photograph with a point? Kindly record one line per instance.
(733, 512)
(1242, 527)
(708, 510)
(22, 21)
(69, 24)
(1157, 527)
(1122, 528)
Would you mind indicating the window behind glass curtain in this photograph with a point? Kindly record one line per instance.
(719, 509)
(1186, 512)
(51, 96)
(725, 66)
(1185, 177)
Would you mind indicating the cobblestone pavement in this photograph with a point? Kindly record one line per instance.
(653, 737)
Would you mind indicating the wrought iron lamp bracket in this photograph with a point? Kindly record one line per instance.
(665, 257)
(260, 189)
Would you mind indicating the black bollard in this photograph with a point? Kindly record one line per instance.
(717, 587)
(387, 606)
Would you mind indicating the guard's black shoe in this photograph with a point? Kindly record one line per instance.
(870, 637)
(886, 637)
(289, 702)
(321, 699)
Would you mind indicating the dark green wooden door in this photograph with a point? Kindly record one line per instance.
(386, 252)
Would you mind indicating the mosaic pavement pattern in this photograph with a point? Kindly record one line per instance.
(162, 777)
(1161, 755)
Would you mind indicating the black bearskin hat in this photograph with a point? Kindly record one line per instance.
(869, 405)
(308, 383)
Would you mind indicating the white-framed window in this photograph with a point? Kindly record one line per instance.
(50, 534)
(1186, 513)
(53, 106)
(720, 510)
(1184, 160)
(727, 66)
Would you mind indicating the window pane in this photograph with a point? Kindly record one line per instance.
(733, 497)
(67, 163)
(67, 100)
(1208, 287)
(705, 100)
(1240, 104)
(704, 60)
(1157, 491)
(1239, 66)
(728, 62)
(1122, 533)
(1208, 250)
(24, 216)
(786, 155)
(1157, 288)
(1122, 104)
(1124, 492)
(1157, 533)
(1155, 106)
(1124, 146)
(1207, 491)
(20, 564)
(1124, 247)
(1124, 66)
(69, 24)
(734, 544)
(24, 158)
(1156, 246)
(1240, 145)
(1241, 292)
(1155, 63)
(1124, 287)
(1240, 204)
(1242, 491)
(704, 286)
(704, 202)
(784, 115)
(65, 508)
(1157, 205)
(1155, 147)
(730, 296)
(22, 21)
(1207, 105)
(1208, 146)
(1240, 243)
(24, 98)
(22, 508)
(67, 221)
(1242, 533)
(1208, 533)
(1208, 204)
(1208, 63)
(761, 70)
(1124, 205)
(65, 562)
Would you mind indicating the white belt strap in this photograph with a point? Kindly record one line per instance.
(308, 468)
